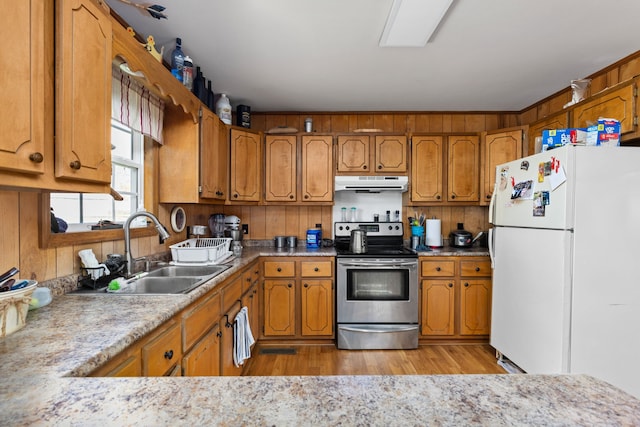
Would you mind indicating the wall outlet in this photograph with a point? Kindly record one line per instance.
(245, 228)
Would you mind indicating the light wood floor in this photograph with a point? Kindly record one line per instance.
(328, 360)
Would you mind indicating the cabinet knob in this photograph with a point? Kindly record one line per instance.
(289, 285)
(218, 334)
(364, 167)
(316, 269)
(488, 196)
(306, 196)
(438, 269)
(306, 285)
(278, 269)
(235, 196)
(379, 167)
(453, 196)
(36, 157)
(248, 279)
(291, 196)
(255, 291)
(168, 354)
(75, 165)
(251, 296)
(466, 285)
(477, 268)
(438, 197)
(451, 285)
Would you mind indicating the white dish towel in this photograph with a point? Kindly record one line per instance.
(242, 337)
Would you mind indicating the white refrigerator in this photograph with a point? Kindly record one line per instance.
(565, 248)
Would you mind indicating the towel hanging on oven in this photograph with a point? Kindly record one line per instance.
(242, 337)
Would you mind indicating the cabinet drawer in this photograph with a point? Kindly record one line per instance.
(162, 352)
(279, 268)
(316, 269)
(231, 293)
(475, 268)
(199, 320)
(438, 268)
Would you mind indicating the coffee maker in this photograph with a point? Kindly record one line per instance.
(233, 230)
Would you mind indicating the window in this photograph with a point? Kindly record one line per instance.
(81, 211)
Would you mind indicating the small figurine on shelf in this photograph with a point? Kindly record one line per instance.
(151, 48)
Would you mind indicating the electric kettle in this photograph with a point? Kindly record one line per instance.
(358, 242)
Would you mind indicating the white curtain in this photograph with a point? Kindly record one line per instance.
(133, 105)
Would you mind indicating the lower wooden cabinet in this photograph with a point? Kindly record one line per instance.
(455, 299)
(204, 358)
(298, 298)
(163, 352)
(227, 366)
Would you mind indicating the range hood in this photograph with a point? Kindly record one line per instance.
(371, 184)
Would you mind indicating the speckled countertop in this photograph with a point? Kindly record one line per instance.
(67, 339)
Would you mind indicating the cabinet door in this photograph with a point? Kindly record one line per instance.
(213, 156)
(227, 367)
(317, 306)
(391, 154)
(438, 307)
(317, 168)
(475, 307)
(353, 153)
(204, 358)
(22, 88)
(280, 168)
(498, 148)
(556, 121)
(245, 166)
(162, 352)
(83, 91)
(279, 307)
(463, 173)
(199, 319)
(250, 300)
(426, 168)
(618, 103)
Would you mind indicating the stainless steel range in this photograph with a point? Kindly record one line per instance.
(377, 291)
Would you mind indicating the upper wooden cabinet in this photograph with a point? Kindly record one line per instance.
(281, 168)
(193, 159)
(498, 147)
(52, 95)
(245, 166)
(22, 146)
(554, 121)
(463, 168)
(83, 91)
(618, 103)
(298, 168)
(370, 154)
(426, 168)
(445, 169)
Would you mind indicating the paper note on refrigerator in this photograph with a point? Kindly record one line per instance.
(556, 179)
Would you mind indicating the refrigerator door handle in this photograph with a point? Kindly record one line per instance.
(491, 248)
(492, 203)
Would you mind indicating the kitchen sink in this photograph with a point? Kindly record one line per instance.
(163, 285)
(188, 271)
(166, 280)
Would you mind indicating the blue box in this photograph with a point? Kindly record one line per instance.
(605, 133)
(554, 138)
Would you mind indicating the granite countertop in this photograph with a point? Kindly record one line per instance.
(453, 251)
(43, 367)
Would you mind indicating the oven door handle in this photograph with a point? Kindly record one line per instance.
(379, 331)
(378, 264)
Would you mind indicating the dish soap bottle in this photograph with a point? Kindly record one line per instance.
(223, 109)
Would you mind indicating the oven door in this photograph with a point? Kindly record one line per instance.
(380, 290)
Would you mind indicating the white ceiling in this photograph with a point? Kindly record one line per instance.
(323, 55)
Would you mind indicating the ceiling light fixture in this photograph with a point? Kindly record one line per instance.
(411, 23)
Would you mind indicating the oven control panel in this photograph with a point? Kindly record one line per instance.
(343, 229)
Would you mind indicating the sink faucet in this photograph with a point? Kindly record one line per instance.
(164, 235)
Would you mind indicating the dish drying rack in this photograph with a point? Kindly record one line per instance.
(201, 250)
(86, 280)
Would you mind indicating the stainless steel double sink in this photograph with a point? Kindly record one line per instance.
(169, 280)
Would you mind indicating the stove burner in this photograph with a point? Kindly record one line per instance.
(384, 239)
